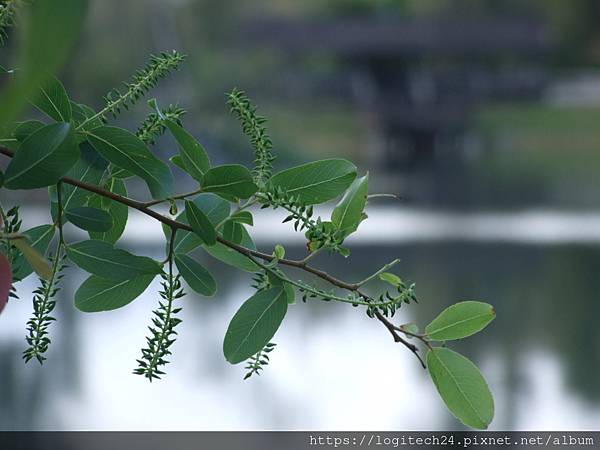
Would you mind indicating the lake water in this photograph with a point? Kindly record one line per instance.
(334, 368)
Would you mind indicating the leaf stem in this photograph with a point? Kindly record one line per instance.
(385, 268)
(175, 197)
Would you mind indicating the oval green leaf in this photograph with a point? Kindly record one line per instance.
(99, 294)
(102, 259)
(196, 276)
(118, 212)
(200, 223)
(460, 320)
(126, 150)
(349, 212)
(315, 182)
(462, 387)
(254, 324)
(89, 219)
(230, 179)
(52, 99)
(194, 158)
(43, 158)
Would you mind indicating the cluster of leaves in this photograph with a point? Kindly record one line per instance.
(8, 10)
(253, 126)
(85, 164)
(163, 329)
(258, 362)
(43, 304)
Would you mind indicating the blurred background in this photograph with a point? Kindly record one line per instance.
(483, 116)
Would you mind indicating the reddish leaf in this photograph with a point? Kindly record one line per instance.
(5, 281)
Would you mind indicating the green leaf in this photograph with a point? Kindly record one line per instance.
(39, 238)
(102, 259)
(412, 328)
(348, 213)
(460, 320)
(99, 294)
(118, 212)
(43, 158)
(127, 151)
(53, 100)
(26, 129)
(315, 182)
(200, 223)
(462, 387)
(196, 276)
(214, 207)
(193, 156)
(391, 278)
(176, 160)
(232, 257)
(90, 219)
(233, 231)
(85, 112)
(288, 289)
(254, 324)
(244, 217)
(230, 179)
(279, 251)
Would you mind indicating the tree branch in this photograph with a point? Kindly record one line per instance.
(175, 225)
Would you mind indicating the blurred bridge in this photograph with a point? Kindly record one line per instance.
(416, 82)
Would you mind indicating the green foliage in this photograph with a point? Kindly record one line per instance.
(231, 180)
(8, 10)
(102, 259)
(145, 79)
(196, 276)
(162, 330)
(43, 158)
(254, 324)
(89, 168)
(90, 219)
(257, 363)
(51, 30)
(200, 223)
(39, 239)
(461, 386)
(154, 124)
(460, 320)
(53, 100)
(349, 212)
(315, 182)
(118, 212)
(86, 164)
(254, 127)
(124, 149)
(194, 158)
(100, 294)
(37, 337)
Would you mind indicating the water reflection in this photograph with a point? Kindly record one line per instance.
(333, 368)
